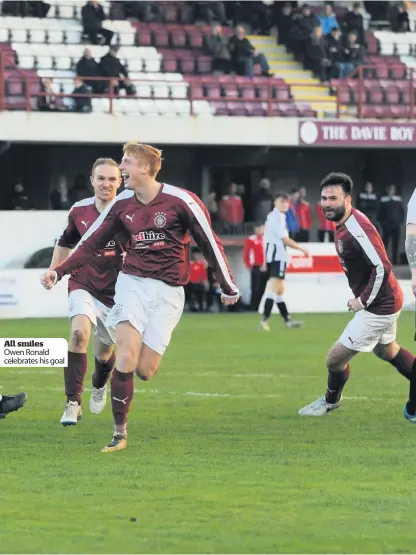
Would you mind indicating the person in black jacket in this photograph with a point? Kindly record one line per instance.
(391, 218)
(400, 19)
(82, 103)
(353, 53)
(244, 55)
(112, 67)
(316, 57)
(334, 53)
(92, 20)
(88, 67)
(353, 21)
(367, 203)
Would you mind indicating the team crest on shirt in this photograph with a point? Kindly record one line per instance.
(117, 309)
(340, 245)
(160, 219)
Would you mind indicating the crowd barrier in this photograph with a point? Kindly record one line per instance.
(21, 295)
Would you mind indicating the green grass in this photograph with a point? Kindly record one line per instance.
(236, 471)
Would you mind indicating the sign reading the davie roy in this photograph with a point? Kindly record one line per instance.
(360, 133)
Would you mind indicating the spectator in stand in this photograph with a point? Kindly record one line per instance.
(231, 209)
(93, 16)
(88, 67)
(353, 21)
(285, 24)
(326, 231)
(262, 201)
(253, 257)
(260, 17)
(198, 282)
(210, 11)
(82, 103)
(112, 67)
(149, 12)
(49, 102)
(19, 199)
(353, 54)
(292, 221)
(316, 58)
(328, 19)
(303, 212)
(391, 218)
(244, 55)
(335, 55)
(216, 46)
(367, 203)
(400, 19)
(210, 202)
(302, 30)
(79, 191)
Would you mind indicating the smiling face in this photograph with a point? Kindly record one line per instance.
(134, 169)
(105, 181)
(336, 204)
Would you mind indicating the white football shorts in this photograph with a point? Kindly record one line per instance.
(150, 305)
(82, 302)
(366, 330)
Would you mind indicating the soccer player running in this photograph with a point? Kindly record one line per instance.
(149, 299)
(276, 239)
(377, 301)
(11, 403)
(91, 293)
(410, 246)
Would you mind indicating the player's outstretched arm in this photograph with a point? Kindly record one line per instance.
(101, 231)
(212, 249)
(410, 247)
(293, 245)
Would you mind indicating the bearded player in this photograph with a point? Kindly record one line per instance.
(91, 292)
(159, 219)
(377, 301)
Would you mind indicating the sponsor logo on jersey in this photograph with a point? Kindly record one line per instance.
(147, 239)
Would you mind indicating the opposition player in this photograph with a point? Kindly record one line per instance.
(276, 239)
(377, 301)
(91, 293)
(410, 245)
(159, 219)
(11, 403)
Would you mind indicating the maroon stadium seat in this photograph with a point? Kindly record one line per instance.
(392, 94)
(204, 64)
(247, 91)
(170, 65)
(281, 93)
(344, 94)
(186, 13)
(254, 109)
(196, 40)
(220, 108)
(213, 90)
(14, 87)
(178, 39)
(187, 64)
(375, 95)
(161, 39)
(236, 109)
(230, 89)
(144, 38)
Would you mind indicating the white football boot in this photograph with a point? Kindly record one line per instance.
(320, 407)
(98, 399)
(72, 414)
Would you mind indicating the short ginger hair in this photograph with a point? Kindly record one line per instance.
(105, 162)
(152, 155)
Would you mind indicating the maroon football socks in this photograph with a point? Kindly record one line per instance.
(74, 375)
(122, 390)
(403, 362)
(336, 382)
(102, 371)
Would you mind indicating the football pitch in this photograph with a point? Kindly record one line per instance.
(218, 459)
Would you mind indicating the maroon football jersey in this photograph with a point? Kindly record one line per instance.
(366, 265)
(99, 276)
(159, 236)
